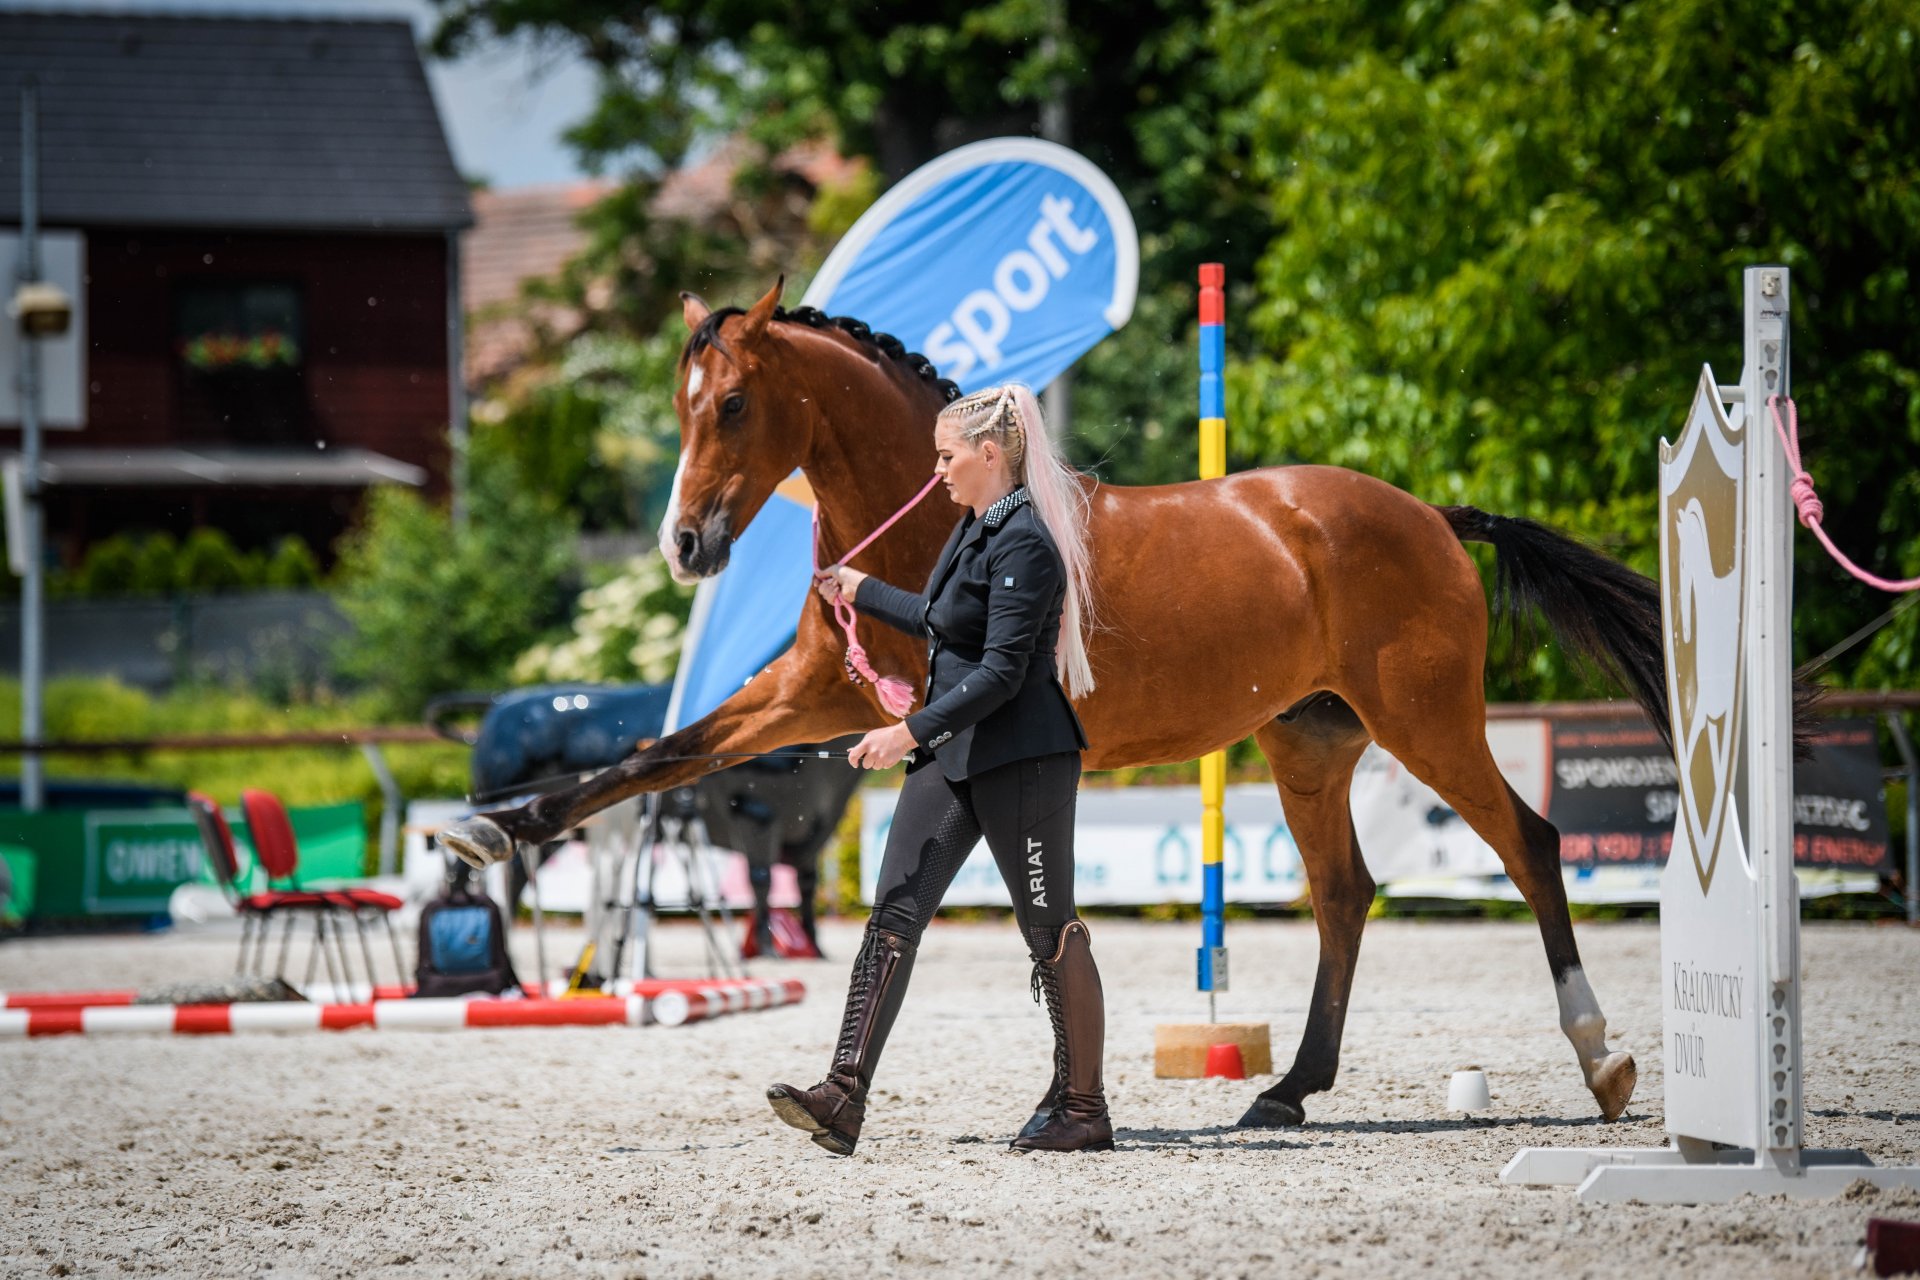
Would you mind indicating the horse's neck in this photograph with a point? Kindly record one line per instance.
(864, 467)
(851, 506)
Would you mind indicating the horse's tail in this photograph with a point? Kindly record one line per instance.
(1603, 612)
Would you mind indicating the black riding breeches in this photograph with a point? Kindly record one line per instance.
(1024, 808)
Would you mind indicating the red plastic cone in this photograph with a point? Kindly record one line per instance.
(1224, 1061)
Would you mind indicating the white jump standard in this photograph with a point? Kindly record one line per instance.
(1729, 902)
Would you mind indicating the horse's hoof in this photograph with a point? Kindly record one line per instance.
(1613, 1082)
(1271, 1113)
(477, 841)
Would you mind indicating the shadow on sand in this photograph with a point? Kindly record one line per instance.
(1315, 1133)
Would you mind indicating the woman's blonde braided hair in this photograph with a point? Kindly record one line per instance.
(992, 415)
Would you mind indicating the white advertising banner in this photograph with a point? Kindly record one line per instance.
(1409, 834)
(1132, 846)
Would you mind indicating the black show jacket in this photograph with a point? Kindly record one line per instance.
(991, 613)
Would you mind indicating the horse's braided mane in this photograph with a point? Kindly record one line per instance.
(708, 335)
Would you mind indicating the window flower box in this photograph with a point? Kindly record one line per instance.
(217, 351)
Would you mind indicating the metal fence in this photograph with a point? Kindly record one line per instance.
(262, 637)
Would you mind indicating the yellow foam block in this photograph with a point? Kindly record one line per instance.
(1180, 1048)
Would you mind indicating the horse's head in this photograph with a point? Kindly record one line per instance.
(735, 444)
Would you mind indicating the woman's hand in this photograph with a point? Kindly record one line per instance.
(836, 581)
(883, 748)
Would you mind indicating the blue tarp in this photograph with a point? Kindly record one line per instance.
(750, 611)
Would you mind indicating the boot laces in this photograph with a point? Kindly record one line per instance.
(1046, 981)
(866, 966)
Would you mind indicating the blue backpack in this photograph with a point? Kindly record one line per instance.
(463, 947)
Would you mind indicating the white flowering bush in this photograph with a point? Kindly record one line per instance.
(626, 629)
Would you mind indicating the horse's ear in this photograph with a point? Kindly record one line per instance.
(762, 312)
(694, 309)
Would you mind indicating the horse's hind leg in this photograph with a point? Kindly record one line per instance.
(1313, 750)
(1449, 753)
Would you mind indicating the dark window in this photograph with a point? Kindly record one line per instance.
(241, 348)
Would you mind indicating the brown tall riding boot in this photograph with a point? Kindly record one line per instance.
(833, 1110)
(1077, 1007)
(1051, 1098)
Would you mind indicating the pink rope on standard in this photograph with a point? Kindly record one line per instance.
(896, 695)
(1807, 502)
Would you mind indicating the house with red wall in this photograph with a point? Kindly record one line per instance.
(259, 222)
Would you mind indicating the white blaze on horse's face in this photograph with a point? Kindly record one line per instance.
(696, 406)
(669, 529)
(670, 523)
(730, 459)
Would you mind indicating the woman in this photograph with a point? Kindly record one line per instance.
(996, 752)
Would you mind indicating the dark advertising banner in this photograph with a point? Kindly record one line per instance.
(1612, 793)
(1839, 807)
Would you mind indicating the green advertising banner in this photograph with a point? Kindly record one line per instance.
(332, 840)
(128, 862)
(133, 859)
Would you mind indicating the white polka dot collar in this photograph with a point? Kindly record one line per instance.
(996, 515)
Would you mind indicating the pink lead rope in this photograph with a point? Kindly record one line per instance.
(1807, 502)
(895, 695)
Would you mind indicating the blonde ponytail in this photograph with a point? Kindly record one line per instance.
(1010, 416)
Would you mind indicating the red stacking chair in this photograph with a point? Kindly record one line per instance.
(273, 840)
(224, 856)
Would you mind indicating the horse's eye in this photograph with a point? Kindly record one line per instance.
(733, 404)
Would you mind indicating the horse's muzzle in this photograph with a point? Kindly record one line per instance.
(702, 553)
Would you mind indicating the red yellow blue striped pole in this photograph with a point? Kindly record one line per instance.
(1213, 766)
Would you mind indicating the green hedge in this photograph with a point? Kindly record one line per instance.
(154, 564)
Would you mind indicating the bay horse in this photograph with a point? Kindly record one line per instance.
(1312, 607)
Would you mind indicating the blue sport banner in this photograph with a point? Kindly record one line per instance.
(1003, 261)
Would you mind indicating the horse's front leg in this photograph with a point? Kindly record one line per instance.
(802, 697)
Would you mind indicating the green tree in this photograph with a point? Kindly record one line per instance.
(1506, 238)
(895, 81)
(437, 608)
(596, 427)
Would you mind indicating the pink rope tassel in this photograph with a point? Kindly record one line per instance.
(1807, 502)
(896, 695)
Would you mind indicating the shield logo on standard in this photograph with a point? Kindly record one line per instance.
(1702, 586)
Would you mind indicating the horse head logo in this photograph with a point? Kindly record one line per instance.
(1702, 585)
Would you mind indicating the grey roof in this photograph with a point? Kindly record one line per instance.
(216, 467)
(226, 122)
